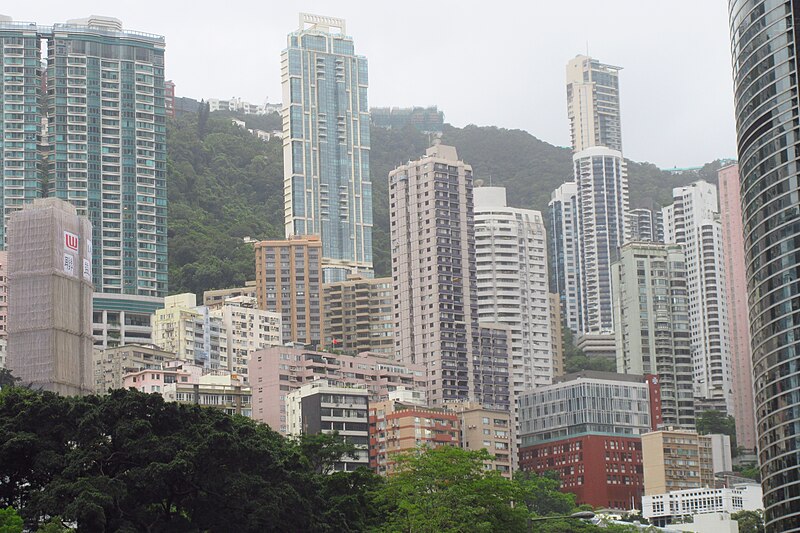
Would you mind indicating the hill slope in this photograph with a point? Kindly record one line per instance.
(225, 184)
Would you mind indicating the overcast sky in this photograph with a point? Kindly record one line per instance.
(495, 62)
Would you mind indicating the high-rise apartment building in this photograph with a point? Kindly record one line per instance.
(3, 296)
(105, 150)
(694, 223)
(764, 44)
(50, 298)
(602, 206)
(359, 315)
(730, 210)
(651, 309)
(120, 319)
(511, 260)
(435, 278)
(21, 167)
(645, 225)
(289, 282)
(487, 429)
(593, 104)
(564, 259)
(327, 188)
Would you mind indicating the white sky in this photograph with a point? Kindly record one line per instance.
(497, 63)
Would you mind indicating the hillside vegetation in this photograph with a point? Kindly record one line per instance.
(225, 184)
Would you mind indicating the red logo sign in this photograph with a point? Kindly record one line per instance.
(70, 241)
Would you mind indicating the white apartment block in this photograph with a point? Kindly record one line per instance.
(564, 251)
(694, 223)
(593, 104)
(190, 332)
(512, 283)
(247, 329)
(683, 503)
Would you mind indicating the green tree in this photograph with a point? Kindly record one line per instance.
(10, 521)
(129, 461)
(7, 379)
(54, 525)
(447, 489)
(541, 496)
(749, 521)
(714, 422)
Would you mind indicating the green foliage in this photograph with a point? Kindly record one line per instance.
(575, 360)
(10, 521)
(749, 471)
(715, 422)
(222, 186)
(7, 379)
(749, 521)
(447, 489)
(54, 525)
(131, 462)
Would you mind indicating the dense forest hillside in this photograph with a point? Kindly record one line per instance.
(225, 184)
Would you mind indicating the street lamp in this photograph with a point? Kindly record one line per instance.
(580, 515)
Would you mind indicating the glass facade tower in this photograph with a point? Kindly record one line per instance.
(327, 188)
(94, 131)
(764, 43)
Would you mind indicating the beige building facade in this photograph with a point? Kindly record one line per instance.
(289, 282)
(359, 315)
(676, 460)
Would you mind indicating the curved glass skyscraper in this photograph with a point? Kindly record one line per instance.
(764, 44)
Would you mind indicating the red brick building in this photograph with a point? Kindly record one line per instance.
(586, 427)
(601, 470)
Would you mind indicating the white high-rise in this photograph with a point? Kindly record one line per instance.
(601, 179)
(564, 250)
(693, 221)
(512, 283)
(593, 104)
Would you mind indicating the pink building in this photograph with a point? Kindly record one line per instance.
(153, 380)
(3, 295)
(736, 288)
(276, 371)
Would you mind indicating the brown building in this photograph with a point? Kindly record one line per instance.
(676, 460)
(398, 427)
(358, 315)
(289, 282)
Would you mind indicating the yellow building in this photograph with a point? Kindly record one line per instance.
(676, 460)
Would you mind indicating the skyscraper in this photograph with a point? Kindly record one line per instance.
(327, 188)
(765, 58)
(602, 203)
(730, 209)
(50, 298)
(593, 104)
(435, 282)
(651, 311)
(693, 222)
(20, 131)
(105, 150)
